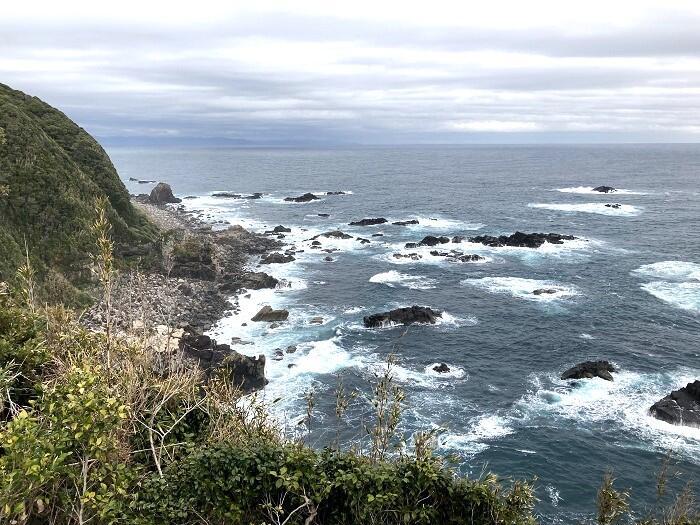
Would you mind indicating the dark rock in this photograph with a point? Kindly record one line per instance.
(256, 195)
(470, 257)
(227, 195)
(411, 245)
(369, 222)
(249, 280)
(335, 193)
(276, 258)
(291, 349)
(163, 194)
(363, 241)
(431, 240)
(267, 314)
(590, 369)
(616, 206)
(328, 258)
(406, 316)
(246, 372)
(279, 355)
(458, 238)
(316, 320)
(522, 240)
(680, 407)
(377, 235)
(412, 256)
(336, 234)
(307, 197)
(442, 368)
(316, 243)
(324, 215)
(405, 223)
(542, 291)
(281, 229)
(604, 189)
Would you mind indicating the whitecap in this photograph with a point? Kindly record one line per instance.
(681, 295)
(670, 270)
(483, 429)
(393, 279)
(624, 210)
(440, 223)
(523, 288)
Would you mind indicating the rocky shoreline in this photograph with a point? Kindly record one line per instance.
(195, 281)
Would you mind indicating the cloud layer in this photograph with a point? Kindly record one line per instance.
(363, 72)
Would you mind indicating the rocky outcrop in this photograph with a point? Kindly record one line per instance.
(604, 189)
(249, 281)
(680, 407)
(276, 258)
(522, 240)
(369, 222)
(441, 368)
(405, 316)
(335, 193)
(335, 234)
(246, 372)
(405, 223)
(307, 197)
(269, 315)
(281, 229)
(163, 194)
(590, 369)
(412, 256)
(455, 255)
(543, 291)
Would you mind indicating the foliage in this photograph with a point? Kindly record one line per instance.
(51, 172)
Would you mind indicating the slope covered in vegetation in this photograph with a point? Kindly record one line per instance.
(51, 173)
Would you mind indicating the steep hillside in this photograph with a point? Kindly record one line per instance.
(51, 173)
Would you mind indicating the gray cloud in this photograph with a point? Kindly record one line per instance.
(291, 78)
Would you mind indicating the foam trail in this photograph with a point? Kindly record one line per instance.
(523, 288)
(484, 429)
(393, 278)
(670, 270)
(681, 295)
(624, 210)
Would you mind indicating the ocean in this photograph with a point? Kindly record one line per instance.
(627, 290)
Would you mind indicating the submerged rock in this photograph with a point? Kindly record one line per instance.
(335, 234)
(227, 195)
(335, 193)
(541, 291)
(369, 222)
(405, 223)
(307, 197)
(268, 314)
(406, 316)
(590, 369)
(522, 240)
(412, 256)
(604, 189)
(163, 194)
(615, 206)
(324, 215)
(680, 407)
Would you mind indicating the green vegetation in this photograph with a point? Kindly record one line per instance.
(51, 173)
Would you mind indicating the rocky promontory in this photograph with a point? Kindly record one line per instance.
(680, 407)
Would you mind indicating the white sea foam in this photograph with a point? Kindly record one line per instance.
(588, 190)
(623, 402)
(440, 223)
(681, 295)
(482, 429)
(624, 210)
(670, 270)
(523, 288)
(393, 279)
(353, 310)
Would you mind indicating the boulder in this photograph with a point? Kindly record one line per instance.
(405, 316)
(307, 197)
(328, 258)
(369, 222)
(604, 189)
(276, 258)
(522, 240)
(363, 241)
(441, 368)
(405, 223)
(163, 194)
(542, 291)
(281, 229)
(590, 369)
(458, 238)
(431, 240)
(267, 314)
(680, 407)
(244, 371)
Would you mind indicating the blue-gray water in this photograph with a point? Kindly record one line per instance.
(503, 406)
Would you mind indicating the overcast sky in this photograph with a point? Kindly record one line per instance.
(361, 71)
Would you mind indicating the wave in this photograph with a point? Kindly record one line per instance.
(393, 278)
(624, 210)
(670, 270)
(523, 288)
(623, 403)
(482, 430)
(681, 295)
(588, 190)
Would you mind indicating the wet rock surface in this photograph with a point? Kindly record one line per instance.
(680, 407)
(405, 316)
(589, 370)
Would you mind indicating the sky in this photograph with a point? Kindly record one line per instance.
(361, 72)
